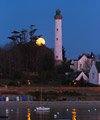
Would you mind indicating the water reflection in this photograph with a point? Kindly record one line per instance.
(28, 114)
(7, 111)
(42, 115)
(42, 112)
(73, 114)
(19, 113)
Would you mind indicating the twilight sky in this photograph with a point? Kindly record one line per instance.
(81, 22)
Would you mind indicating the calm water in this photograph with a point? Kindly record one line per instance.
(64, 114)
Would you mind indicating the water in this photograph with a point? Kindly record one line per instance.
(61, 114)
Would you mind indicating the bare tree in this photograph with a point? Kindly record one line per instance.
(23, 36)
(15, 37)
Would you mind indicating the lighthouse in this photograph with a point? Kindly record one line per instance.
(58, 37)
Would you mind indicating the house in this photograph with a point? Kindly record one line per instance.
(94, 74)
(85, 62)
(74, 64)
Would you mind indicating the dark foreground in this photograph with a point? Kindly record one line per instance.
(59, 110)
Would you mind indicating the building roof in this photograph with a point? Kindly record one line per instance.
(74, 75)
(58, 10)
(89, 56)
(98, 66)
(58, 14)
(71, 61)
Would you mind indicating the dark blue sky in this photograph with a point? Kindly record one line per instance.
(81, 22)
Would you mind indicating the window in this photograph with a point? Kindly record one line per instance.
(93, 75)
(56, 38)
(57, 29)
(56, 56)
(80, 65)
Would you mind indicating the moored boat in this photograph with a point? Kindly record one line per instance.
(42, 108)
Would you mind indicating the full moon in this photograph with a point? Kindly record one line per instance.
(40, 41)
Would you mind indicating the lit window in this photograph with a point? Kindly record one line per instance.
(93, 75)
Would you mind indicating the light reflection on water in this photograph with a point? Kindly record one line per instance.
(28, 114)
(73, 114)
(70, 114)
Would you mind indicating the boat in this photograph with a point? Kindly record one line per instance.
(42, 108)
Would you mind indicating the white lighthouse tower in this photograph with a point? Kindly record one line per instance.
(58, 37)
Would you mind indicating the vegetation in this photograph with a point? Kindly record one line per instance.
(24, 63)
(63, 53)
(51, 95)
(22, 59)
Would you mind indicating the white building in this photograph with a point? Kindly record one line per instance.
(78, 75)
(85, 62)
(58, 37)
(82, 75)
(94, 74)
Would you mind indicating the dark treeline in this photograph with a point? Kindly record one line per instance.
(23, 62)
(22, 55)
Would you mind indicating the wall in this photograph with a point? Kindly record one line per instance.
(58, 43)
(93, 70)
(81, 61)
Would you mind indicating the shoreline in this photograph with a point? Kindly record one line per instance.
(52, 93)
(51, 104)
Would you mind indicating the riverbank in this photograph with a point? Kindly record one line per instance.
(52, 104)
(51, 93)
